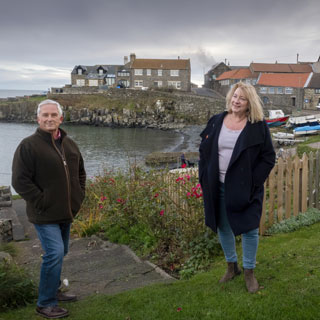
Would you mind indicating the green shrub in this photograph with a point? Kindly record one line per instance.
(157, 213)
(294, 223)
(16, 288)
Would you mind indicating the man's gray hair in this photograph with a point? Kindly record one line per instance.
(49, 101)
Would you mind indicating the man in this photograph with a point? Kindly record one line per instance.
(48, 172)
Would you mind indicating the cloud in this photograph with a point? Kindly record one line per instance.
(57, 35)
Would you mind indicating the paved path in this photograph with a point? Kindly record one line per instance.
(92, 265)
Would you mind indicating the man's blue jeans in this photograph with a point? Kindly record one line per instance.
(54, 239)
(250, 240)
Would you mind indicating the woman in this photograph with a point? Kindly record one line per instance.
(236, 157)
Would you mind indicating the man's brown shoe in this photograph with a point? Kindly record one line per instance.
(64, 297)
(52, 312)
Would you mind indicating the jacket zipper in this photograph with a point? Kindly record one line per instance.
(66, 169)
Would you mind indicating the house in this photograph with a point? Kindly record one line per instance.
(94, 76)
(283, 89)
(135, 73)
(158, 73)
(229, 78)
(312, 92)
(211, 76)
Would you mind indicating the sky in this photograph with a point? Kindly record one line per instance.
(42, 40)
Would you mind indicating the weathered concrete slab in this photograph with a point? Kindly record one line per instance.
(17, 228)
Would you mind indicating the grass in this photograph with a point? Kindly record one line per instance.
(288, 269)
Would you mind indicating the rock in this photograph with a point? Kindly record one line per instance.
(5, 257)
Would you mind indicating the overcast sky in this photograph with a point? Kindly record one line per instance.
(42, 40)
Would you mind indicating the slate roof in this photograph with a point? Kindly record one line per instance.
(242, 73)
(314, 82)
(294, 80)
(91, 72)
(168, 64)
(280, 67)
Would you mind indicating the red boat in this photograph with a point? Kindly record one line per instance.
(276, 118)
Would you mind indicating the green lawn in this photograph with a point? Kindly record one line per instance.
(288, 269)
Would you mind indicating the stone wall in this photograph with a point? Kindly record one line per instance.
(124, 108)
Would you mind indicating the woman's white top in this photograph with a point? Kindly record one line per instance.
(226, 142)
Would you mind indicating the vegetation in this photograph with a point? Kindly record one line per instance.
(288, 272)
(16, 287)
(160, 215)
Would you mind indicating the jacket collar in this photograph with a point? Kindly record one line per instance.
(48, 136)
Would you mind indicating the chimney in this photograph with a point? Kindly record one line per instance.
(297, 57)
(125, 60)
(132, 57)
(178, 57)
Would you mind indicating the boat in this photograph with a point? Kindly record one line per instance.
(307, 130)
(276, 118)
(302, 121)
(284, 138)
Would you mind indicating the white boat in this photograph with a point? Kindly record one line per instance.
(310, 120)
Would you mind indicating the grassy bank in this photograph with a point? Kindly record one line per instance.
(288, 271)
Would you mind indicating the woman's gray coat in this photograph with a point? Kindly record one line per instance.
(252, 160)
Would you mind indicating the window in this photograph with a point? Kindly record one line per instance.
(280, 90)
(225, 82)
(248, 81)
(271, 90)
(174, 73)
(110, 81)
(138, 83)
(101, 71)
(263, 90)
(93, 83)
(288, 90)
(254, 82)
(158, 84)
(123, 74)
(148, 72)
(316, 90)
(80, 72)
(174, 84)
(80, 82)
(138, 72)
(160, 72)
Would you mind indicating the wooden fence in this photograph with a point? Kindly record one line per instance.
(291, 188)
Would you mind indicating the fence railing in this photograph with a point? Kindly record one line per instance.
(291, 188)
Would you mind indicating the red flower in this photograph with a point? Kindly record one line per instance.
(156, 195)
(103, 198)
(120, 200)
(161, 213)
(179, 309)
(100, 206)
(183, 165)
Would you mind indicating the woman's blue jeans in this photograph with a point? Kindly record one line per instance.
(54, 240)
(250, 240)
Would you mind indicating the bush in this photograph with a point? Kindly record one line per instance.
(16, 288)
(294, 223)
(158, 214)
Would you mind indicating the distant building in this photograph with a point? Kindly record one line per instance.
(136, 73)
(211, 76)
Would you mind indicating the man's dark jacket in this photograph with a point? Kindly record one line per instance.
(252, 160)
(52, 181)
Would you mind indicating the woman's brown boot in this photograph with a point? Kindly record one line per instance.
(232, 271)
(251, 281)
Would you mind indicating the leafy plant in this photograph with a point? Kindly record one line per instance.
(16, 287)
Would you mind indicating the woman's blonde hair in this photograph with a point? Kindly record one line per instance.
(255, 110)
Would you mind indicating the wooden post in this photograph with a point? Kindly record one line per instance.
(316, 180)
(288, 188)
(263, 215)
(304, 183)
(271, 196)
(311, 202)
(296, 185)
(280, 189)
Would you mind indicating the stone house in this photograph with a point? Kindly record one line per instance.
(312, 92)
(160, 73)
(94, 76)
(135, 73)
(210, 78)
(283, 89)
(229, 78)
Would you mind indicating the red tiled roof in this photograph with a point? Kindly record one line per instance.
(169, 64)
(242, 73)
(294, 80)
(280, 67)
